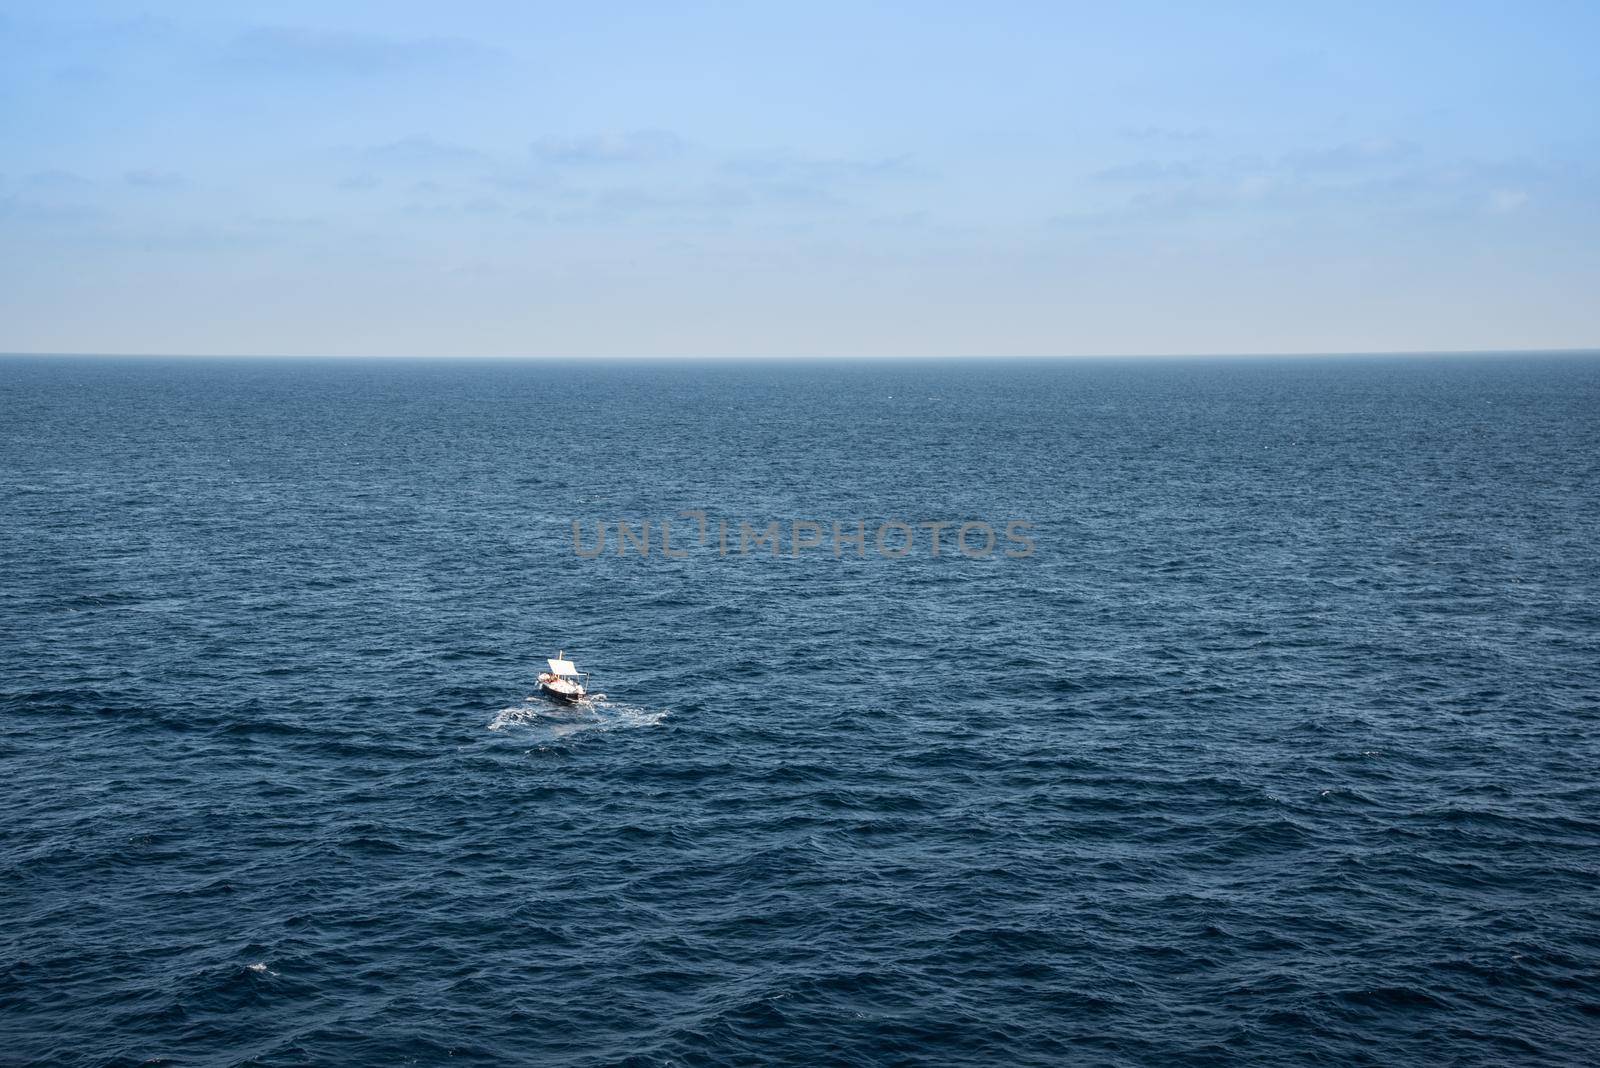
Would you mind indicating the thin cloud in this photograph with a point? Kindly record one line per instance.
(58, 179)
(49, 214)
(420, 152)
(1506, 201)
(1375, 178)
(1149, 170)
(1353, 156)
(1340, 163)
(303, 50)
(150, 179)
(640, 146)
(820, 171)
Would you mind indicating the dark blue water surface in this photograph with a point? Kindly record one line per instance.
(1281, 747)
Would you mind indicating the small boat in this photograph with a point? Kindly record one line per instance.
(563, 681)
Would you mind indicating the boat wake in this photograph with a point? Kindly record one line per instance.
(547, 721)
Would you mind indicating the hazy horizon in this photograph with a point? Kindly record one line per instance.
(505, 180)
(734, 358)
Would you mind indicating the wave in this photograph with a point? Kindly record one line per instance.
(551, 722)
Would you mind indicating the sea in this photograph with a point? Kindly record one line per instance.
(1248, 712)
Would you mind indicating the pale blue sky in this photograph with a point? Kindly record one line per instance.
(482, 178)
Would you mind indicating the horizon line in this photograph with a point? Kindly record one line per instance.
(811, 358)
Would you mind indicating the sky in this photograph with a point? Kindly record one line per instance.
(794, 179)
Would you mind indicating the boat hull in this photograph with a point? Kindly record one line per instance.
(570, 696)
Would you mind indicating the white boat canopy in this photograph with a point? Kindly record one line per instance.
(562, 667)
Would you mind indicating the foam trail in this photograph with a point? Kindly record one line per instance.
(550, 721)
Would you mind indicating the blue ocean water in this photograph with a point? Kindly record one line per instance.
(1280, 747)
